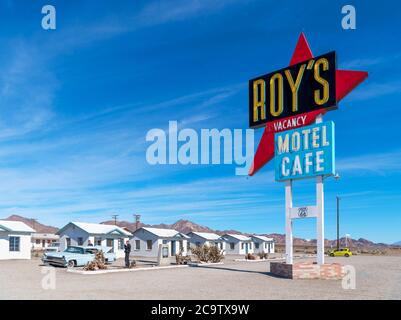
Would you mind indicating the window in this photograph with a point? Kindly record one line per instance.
(14, 243)
(148, 244)
(137, 244)
(98, 241)
(181, 245)
(265, 245)
(256, 245)
(242, 245)
(232, 245)
(165, 242)
(80, 241)
(250, 246)
(197, 244)
(75, 250)
(68, 241)
(37, 241)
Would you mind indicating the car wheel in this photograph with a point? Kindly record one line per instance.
(346, 255)
(71, 264)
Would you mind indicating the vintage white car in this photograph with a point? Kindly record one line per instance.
(77, 256)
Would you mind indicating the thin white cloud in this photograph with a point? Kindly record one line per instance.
(376, 90)
(378, 163)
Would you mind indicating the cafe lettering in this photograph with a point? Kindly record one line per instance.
(305, 152)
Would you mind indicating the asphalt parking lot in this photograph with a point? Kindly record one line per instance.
(377, 277)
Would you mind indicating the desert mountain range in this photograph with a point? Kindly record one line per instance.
(186, 226)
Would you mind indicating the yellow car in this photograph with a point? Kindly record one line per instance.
(344, 252)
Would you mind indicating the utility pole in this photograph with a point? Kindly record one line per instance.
(137, 221)
(338, 222)
(114, 216)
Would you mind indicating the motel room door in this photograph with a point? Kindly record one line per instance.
(246, 248)
(172, 248)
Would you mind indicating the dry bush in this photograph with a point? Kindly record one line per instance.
(98, 262)
(205, 253)
(250, 256)
(215, 254)
(263, 255)
(181, 259)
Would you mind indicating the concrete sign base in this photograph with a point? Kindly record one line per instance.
(308, 270)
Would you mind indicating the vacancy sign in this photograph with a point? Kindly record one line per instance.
(305, 152)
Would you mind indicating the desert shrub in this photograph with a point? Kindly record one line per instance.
(263, 255)
(250, 256)
(215, 254)
(98, 262)
(181, 259)
(205, 253)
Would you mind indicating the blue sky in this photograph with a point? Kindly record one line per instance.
(76, 104)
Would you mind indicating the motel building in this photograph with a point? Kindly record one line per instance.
(263, 244)
(41, 241)
(80, 234)
(145, 242)
(15, 240)
(238, 244)
(196, 239)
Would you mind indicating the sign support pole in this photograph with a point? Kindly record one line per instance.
(288, 222)
(320, 212)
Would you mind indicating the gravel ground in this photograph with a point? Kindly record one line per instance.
(376, 278)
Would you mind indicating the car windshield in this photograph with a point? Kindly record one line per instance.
(91, 251)
(74, 250)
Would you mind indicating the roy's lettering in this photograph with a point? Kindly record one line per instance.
(300, 88)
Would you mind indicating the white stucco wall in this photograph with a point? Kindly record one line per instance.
(264, 246)
(25, 246)
(239, 246)
(143, 236)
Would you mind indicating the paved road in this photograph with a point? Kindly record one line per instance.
(377, 278)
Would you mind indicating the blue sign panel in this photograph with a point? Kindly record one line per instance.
(305, 152)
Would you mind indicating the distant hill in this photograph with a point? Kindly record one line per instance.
(186, 226)
(38, 227)
(183, 226)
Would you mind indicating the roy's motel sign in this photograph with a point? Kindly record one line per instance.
(290, 104)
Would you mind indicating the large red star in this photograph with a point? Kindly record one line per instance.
(346, 81)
